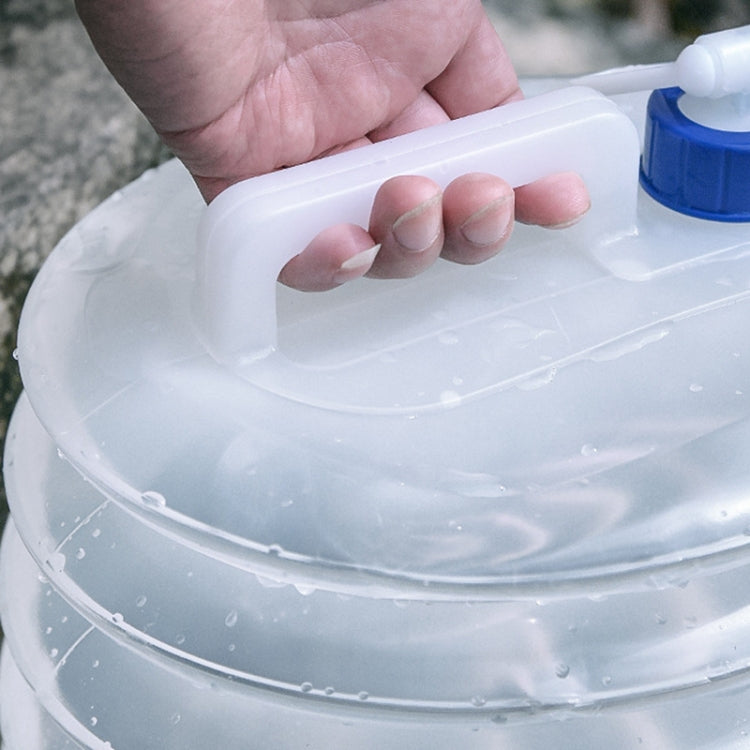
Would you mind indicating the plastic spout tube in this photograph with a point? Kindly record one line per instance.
(715, 65)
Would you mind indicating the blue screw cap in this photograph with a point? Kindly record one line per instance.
(693, 169)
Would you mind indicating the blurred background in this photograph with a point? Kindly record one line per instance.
(69, 137)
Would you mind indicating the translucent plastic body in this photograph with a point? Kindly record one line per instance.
(499, 506)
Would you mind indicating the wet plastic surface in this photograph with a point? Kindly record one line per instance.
(494, 506)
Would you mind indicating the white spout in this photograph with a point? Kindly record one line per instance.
(714, 65)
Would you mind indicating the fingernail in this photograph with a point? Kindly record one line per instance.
(418, 229)
(356, 266)
(490, 224)
(570, 223)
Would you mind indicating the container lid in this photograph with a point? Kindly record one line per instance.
(694, 168)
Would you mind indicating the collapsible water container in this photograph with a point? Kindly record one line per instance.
(500, 506)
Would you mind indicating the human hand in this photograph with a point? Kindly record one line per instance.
(238, 88)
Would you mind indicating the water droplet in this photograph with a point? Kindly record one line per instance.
(175, 718)
(478, 701)
(48, 630)
(562, 671)
(535, 382)
(448, 338)
(96, 533)
(363, 695)
(589, 450)
(696, 388)
(53, 653)
(231, 647)
(16, 354)
(499, 719)
(306, 687)
(153, 499)
(95, 664)
(606, 680)
(231, 619)
(270, 583)
(660, 619)
(141, 601)
(56, 562)
(117, 618)
(80, 553)
(304, 589)
(329, 691)
(450, 398)
(93, 721)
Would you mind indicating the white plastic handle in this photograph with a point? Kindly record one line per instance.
(252, 229)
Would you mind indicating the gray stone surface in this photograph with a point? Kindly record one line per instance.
(70, 137)
(564, 37)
